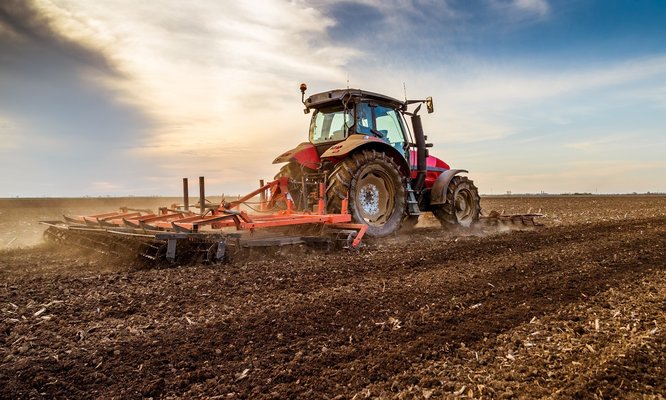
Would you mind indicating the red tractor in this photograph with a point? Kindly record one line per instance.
(362, 148)
(363, 171)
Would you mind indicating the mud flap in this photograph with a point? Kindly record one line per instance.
(438, 191)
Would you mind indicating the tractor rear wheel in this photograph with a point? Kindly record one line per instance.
(373, 182)
(462, 205)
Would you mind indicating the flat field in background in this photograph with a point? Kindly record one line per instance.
(575, 309)
(19, 218)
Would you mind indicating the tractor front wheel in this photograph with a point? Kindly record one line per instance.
(462, 205)
(373, 184)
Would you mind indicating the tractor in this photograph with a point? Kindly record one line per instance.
(362, 148)
(363, 171)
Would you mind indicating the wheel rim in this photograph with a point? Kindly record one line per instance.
(375, 197)
(463, 202)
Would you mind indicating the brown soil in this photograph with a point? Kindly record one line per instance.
(575, 309)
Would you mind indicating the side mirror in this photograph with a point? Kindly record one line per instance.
(429, 105)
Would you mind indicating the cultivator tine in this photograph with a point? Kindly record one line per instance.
(528, 219)
(53, 234)
(519, 221)
(220, 250)
(156, 250)
(344, 238)
(354, 233)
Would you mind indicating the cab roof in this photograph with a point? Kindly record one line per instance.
(337, 95)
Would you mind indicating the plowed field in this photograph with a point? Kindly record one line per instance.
(574, 309)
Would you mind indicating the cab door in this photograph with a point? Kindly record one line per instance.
(379, 120)
(388, 122)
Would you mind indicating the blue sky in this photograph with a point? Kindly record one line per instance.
(125, 98)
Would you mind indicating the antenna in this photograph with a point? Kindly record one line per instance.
(404, 88)
(347, 80)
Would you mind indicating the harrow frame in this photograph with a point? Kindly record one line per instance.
(212, 230)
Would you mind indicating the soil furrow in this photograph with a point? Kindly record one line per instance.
(302, 324)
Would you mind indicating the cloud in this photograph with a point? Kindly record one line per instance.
(427, 26)
(595, 145)
(9, 138)
(477, 102)
(58, 80)
(197, 77)
(194, 76)
(63, 120)
(520, 83)
(538, 7)
(37, 23)
(654, 96)
(218, 83)
(210, 88)
(519, 13)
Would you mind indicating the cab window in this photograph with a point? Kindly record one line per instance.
(364, 120)
(387, 123)
(330, 124)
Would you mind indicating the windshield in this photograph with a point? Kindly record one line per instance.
(330, 124)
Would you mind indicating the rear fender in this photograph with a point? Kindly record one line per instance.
(304, 154)
(357, 142)
(438, 191)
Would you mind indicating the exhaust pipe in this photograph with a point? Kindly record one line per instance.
(421, 151)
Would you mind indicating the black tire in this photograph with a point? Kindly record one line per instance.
(376, 191)
(462, 206)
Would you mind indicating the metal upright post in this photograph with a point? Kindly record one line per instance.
(321, 204)
(262, 196)
(186, 195)
(202, 195)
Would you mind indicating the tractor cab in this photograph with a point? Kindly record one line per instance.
(339, 114)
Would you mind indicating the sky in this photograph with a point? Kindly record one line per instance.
(120, 97)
